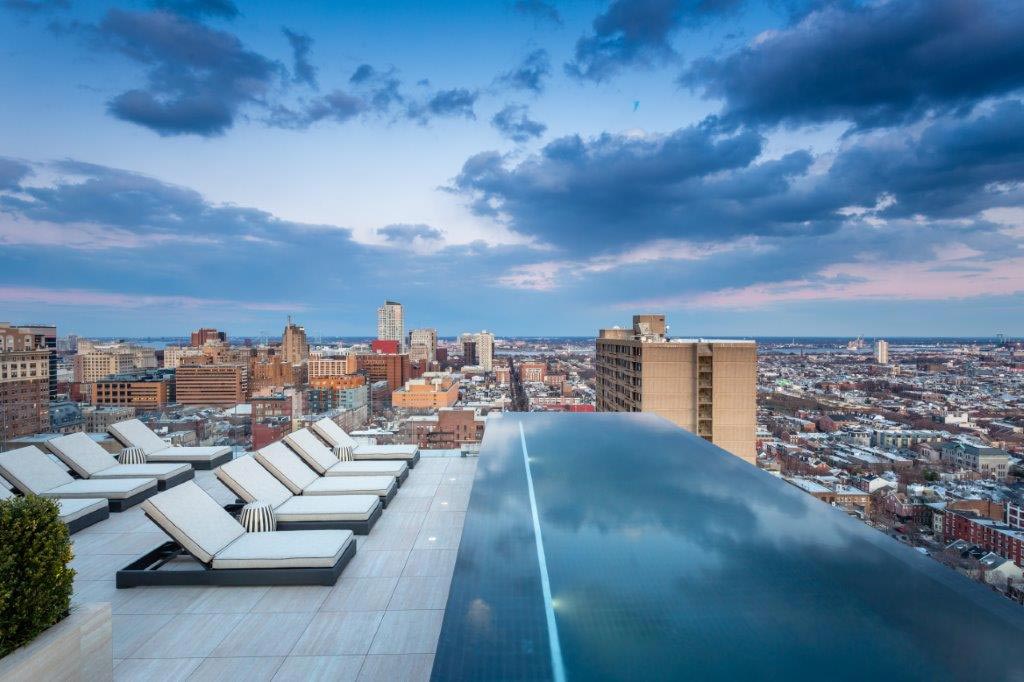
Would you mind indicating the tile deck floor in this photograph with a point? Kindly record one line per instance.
(381, 620)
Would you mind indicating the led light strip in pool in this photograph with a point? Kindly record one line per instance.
(557, 666)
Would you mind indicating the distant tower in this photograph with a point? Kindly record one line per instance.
(882, 352)
(391, 323)
(294, 346)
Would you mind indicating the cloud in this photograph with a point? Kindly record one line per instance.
(874, 64)
(63, 298)
(403, 233)
(703, 182)
(514, 123)
(381, 88)
(539, 10)
(12, 172)
(530, 74)
(198, 78)
(303, 71)
(637, 33)
(453, 103)
(195, 9)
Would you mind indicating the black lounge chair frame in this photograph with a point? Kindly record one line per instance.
(357, 527)
(145, 571)
(88, 519)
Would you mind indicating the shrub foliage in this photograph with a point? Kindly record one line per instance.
(35, 581)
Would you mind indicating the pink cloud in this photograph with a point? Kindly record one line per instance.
(86, 297)
(928, 281)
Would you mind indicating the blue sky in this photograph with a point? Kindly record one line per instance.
(787, 167)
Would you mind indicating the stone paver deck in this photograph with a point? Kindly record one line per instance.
(381, 620)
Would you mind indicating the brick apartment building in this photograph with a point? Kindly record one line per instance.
(393, 368)
(217, 385)
(24, 382)
(140, 390)
(990, 535)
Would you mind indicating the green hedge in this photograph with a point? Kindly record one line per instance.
(35, 581)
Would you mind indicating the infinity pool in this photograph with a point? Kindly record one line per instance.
(661, 557)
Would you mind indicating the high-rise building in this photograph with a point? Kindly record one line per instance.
(708, 387)
(294, 346)
(390, 367)
(24, 382)
(391, 323)
(201, 336)
(478, 349)
(882, 352)
(46, 337)
(423, 345)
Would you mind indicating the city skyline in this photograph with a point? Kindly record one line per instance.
(748, 168)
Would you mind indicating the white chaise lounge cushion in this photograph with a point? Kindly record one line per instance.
(351, 485)
(134, 433)
(286, 466)
(194, 520)
(328, 508)
(199, 453)
(332, 433)
(367, 467)
(292, 549)
(88, 459)
(314, 453)
(397, 451)
(110, 488)
(72, 509)
(31, 471)
(250, 481)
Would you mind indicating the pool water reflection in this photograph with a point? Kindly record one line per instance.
(670, 559)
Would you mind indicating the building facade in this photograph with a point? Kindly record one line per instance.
(708, 387)
(217, 385)
(24, 382)
(423, 345)
(294, 346)
(394, 368)
(139, 390)
(882, 352)
(201, 336)
(391, 322)
(432, 391)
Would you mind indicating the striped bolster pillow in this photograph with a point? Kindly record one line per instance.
(258, 517)
(344, 453)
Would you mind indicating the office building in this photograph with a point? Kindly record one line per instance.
(218, 385)
(385, 346)
(177, 355)
(708, 387)
(882, 352)
(142, 390)
(331, 393)
(391, 322)
(469, 353)
(201, 336)
(423, 345)
(332, 367)
(24, 382)
(45, 336)
(294, 346)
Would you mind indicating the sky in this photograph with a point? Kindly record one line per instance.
(530, 167)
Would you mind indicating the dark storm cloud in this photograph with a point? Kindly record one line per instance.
(872, 63)
(530, 74)
(198, 77)
(514, 123)
(12, 172)
(638, 33)
(303, 70)
(702, 183)
(538, 9)
(225, 9)
(138, 204)
(404, 234)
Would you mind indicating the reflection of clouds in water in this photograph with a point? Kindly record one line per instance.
(480, 616)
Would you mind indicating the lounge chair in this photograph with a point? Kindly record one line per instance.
(31, 471)
(87, 459)
(77, 513)
(133, 433)
(250, 481)
(226, 553)
(335, 436)
(325, 463)
(289, 468)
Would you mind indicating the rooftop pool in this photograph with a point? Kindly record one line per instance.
(621, 547)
